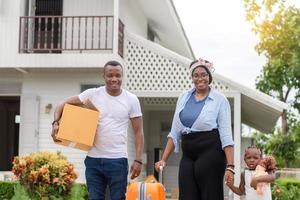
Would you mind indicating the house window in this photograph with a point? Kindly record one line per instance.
(88, 86)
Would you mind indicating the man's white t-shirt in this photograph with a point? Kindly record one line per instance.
(115, 113)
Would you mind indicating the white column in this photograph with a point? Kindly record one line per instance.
(116, 27)
(237, 139)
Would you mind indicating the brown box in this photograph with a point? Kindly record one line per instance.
(78, 125)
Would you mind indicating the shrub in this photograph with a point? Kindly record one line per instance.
(14, 191)
(286, 188)
(21, 193)
(45, 174)
(288, 182)
(78, 192)
(6, 190)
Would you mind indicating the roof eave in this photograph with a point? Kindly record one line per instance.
(257, 95)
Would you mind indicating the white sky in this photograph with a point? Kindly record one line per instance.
(217, 31)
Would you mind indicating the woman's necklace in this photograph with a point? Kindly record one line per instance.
(200, 96)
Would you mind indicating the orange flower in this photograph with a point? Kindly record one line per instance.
(55, 180)
(43, 170)
(33, 177)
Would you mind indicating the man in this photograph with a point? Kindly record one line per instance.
(106, 162)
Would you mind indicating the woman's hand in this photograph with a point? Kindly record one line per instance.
(229, 178)
(229, 182)
(160, 165)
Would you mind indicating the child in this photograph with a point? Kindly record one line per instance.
(249, 182)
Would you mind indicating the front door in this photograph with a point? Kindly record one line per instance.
(9, 131)
(47, 30)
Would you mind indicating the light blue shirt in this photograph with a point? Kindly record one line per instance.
(215, 114)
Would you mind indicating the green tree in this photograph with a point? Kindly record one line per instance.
(283, 147)
(278, 28)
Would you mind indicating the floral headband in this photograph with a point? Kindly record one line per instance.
(202, 62)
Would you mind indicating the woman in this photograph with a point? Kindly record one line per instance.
(202, 123)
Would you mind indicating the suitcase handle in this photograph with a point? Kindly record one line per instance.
(160, 174)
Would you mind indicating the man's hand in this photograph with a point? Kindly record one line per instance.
(135, 169)
(74, 100)
(55, 128)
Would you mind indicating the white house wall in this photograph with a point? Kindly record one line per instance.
(87, 7)
(102, 27)
(7, 78)
(133, 17)
(9, 26)
(10, 83)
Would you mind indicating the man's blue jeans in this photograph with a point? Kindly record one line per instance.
(103, 172)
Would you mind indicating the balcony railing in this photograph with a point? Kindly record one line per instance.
(56, 34)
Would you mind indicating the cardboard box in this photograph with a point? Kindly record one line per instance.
(77, 126)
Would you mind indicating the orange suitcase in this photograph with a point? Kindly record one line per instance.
(148, 190)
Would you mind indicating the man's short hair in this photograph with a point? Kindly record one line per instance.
(112, 63)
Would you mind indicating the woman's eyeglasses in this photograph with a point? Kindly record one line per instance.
(200, 76)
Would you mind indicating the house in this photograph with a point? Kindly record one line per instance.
(51, 49)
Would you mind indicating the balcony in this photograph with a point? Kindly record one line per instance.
(63, 34)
